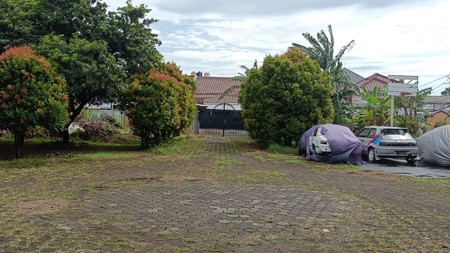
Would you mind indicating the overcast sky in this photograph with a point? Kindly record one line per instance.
(401, 37)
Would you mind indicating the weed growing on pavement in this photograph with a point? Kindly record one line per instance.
(223, 161)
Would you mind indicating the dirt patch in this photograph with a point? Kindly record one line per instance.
(45, 206)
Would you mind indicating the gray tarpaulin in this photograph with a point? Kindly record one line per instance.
(434, 146)
(344, 145)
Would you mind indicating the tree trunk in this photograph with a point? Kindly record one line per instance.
(144, 139)
(19, 139)
(416, 123)
(75, 112)
(406, 116)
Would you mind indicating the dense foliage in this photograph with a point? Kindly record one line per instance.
(160, 104)
(446, 92)
(93, 74)
(285, 97)
(96, 50)
(31, 94)
(321, 50)
(376, 110)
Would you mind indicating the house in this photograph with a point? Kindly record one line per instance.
(369, 83)
(210, 89)
(436, 103)
(439, 118)
(437, 106)
(354, 77)
(216, 109)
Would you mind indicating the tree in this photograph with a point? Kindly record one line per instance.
(376, 110)
(415, 106)
(446, 92)
(131, 40)
(15, 24)
(159, 104)
(322, 51)
(31, 94)
(93, 75)
(285, 97)
(94, 49)
(240, 77)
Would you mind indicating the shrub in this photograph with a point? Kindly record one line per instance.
(102, 129)
(285, 97)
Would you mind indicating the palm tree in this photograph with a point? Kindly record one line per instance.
(446, 92)
(322, 51)
(240, 77)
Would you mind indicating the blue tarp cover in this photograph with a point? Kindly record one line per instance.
(344, 145)
(434, 146)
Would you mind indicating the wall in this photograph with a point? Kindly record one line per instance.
(438, 118)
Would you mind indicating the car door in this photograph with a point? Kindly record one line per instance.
(362, 136)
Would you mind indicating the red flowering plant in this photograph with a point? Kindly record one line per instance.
(159, 104)
(31, 94)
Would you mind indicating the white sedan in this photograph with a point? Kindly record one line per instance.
(319, 143)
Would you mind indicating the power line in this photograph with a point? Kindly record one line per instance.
(446, 76)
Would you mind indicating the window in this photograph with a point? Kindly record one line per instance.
(363, 132)
(372, 133)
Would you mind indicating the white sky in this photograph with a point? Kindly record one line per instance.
(402, 37)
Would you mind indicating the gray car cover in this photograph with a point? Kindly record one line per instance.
(434, 146)
(344, 145)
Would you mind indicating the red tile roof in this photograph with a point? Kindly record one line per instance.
(375, 80)
(210, 88)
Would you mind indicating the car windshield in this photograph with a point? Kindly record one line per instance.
(393, 131)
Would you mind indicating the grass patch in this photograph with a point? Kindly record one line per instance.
(223, 161)
(285, 150)
(24, 162)
(176, 146)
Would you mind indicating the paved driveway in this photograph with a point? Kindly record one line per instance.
(305, 205)
(401, 167)
(229, 195)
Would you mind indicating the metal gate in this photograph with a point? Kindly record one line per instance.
(220, 120)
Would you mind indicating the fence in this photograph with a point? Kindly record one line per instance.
(221, 132)
(98, 113)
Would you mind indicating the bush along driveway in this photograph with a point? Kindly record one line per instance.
(215, 194)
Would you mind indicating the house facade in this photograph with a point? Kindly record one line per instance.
(370, 83)
(218, 105)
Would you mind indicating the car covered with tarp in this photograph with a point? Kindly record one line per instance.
(434, 146)
(330, 143)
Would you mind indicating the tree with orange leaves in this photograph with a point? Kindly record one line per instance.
(31, 94)
(160, 104)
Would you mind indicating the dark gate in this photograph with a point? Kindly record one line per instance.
(220, 118)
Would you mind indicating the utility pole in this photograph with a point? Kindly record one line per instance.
(404, 86)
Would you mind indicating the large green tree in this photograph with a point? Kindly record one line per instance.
(284, 97)
(16, 25)
(31, 94)
(160, 104)
(131, 39)
(95, 49)
(321, 50)
(93, 74)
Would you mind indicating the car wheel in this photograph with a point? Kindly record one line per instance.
(371, 155)
(410, 160)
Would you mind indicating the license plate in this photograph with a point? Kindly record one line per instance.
(402, 153)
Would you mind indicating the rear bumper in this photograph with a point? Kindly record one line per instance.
(399, 152)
